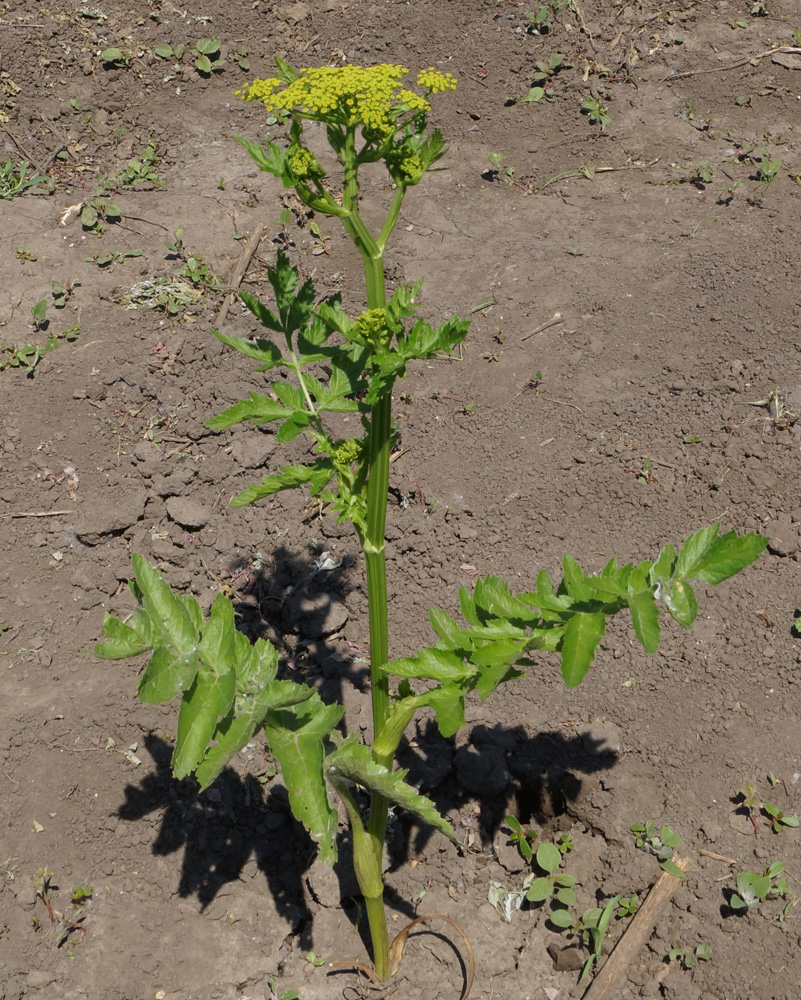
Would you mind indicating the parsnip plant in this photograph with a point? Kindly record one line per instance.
(338, 364)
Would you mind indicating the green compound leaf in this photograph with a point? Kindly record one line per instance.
(271, 158)
(680, 600)
(294, 304)
(728, 554)
(645, 618)
(582, 634)
(166, 676)
(575, 583)
(296, 736)
(216, 649)
(259, 408)
(354, 761)
(209, 698)
(432, 664)
(694, 551)
(447, 702)
(316, 476)
(177, 621)
(124, 639)
(256, 693)
(289, 430)
(260, 349)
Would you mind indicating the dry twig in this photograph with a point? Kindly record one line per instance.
(239, 274)
(35, 513)
(787, 49)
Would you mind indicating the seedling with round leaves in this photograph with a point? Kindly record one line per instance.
(553, 883)
(596, 112)
(688, 958)
(661, 844)
(753, 889)
(778, 818)
(330, 363)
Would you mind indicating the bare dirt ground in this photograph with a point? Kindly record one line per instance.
(668, 244)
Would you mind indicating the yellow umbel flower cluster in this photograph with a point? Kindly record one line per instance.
(436, 82)
(371, 96)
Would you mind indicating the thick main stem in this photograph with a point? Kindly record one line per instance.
(375, 559)
(380, 439)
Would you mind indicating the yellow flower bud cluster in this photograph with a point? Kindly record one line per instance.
(404, 163)
(304, 164)
(349, 95)
(371, 329)
(347, 452)
(436, 82)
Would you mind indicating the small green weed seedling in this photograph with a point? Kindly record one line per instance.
(553, 884)
(26, 256)
(797, 36)
(62, 293)
(99, 210)
(767, 169)
(112, 257)
(285, 995)
(240, 57)
(538, 24)
(14, 179)
(328, 365)
(564, 843)
(495, 160)
(727, 195)
(522, 836)
(702, 174)
(67, 923)
(207, 55)
(754, 805)
(39, 314)
(597, 112)
(139, 171)
(166, 51)
(779, 819)
(543, 78)
(689, 958)
(753, 888)
(627, 905)
(313, 961)
(116, 58)
(195, 268)
(661, 845)
(81, 895)
(25, 356)
(759, 8)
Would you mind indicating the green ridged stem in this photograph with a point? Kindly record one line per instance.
(372, 539)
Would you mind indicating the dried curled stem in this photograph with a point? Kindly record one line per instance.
(398, 947)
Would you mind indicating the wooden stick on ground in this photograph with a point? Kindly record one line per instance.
(239, 274)
(634, 937)
(37, 513)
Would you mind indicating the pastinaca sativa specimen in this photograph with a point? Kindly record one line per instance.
(330, 363)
